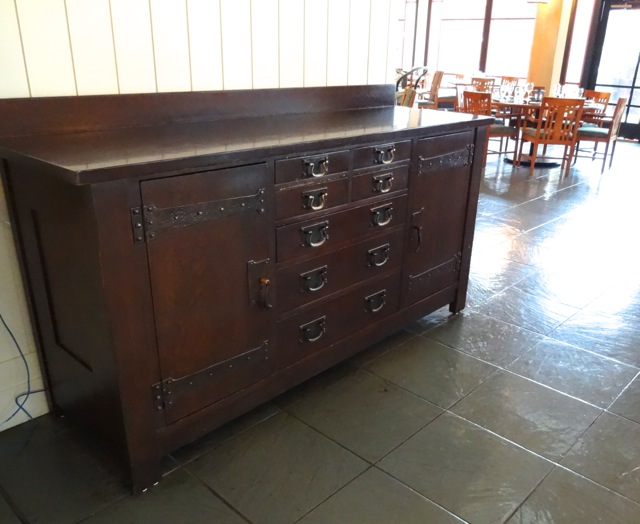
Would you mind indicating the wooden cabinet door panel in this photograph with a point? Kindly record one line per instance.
(437, 212)
(206, 258)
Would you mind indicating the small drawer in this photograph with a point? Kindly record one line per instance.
(379, 182)
(380, 154)
(318, 236)
(329, 321)
(312, 167)
(307, 198)
(319, 277)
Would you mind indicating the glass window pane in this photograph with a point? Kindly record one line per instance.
(620, 49)
(464, 9)
(511, 9)
(456, 58)
(634, 116)
(581, 26)
(509, 49)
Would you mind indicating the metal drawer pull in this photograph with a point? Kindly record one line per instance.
(382, 183)
(315, 200)
(379, 256)
(315, 167)
(315, 235)
(313, 331)
(264, 292)
(315, 279)
(384, 154)
(375, 302)
(382, 215)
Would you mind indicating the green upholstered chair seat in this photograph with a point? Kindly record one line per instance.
(425, 103)
(592, 132)
(501, 129)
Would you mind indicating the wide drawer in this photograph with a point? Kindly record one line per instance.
(329, 321)
(303, 198)
(318, 236)
(383, 153)
(370, 183)
(312, 166)
(319, 277)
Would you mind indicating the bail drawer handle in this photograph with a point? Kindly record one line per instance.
(379, 256)
(384, 154)
(313, 331)
(315, 279)
(315, 200)
(382, 183)
(264, 292)
(315, 235)
(315, 167)
(381, 216)
(375, 302)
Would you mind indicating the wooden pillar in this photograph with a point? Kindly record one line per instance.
(549, 40)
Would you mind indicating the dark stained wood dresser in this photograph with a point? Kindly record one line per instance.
(188, 256)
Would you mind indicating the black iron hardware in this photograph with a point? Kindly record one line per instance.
(264, 292)
(313, 331)
(452, 265)
(460, 158)
(378, 256)
(382, 215)
(258, 282)
(315, 279)
(315, 235)
(382, 183)
(315, 167)
(384, 154)
(415, 224)
(315, 199)
(375, 302)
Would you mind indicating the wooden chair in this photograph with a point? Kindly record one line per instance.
(607, 135)
(596, 116)
(514, 79)
(556, 124)
(478, 103)
(429, 98)
(406, 97)
(484, 85)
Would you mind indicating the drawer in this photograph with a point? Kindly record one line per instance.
(303, 198)
(384, 153)
(373, 183)
(332, 320)
(312, 166)
(318, 236)
(319, 277)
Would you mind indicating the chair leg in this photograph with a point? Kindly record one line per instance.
(575, 152)
(613, 150)
(604, 157)
(532, 159)
(568, 154)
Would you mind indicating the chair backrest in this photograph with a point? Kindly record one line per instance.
(435, 83)
(514, 79)
(558, 120)
(600, 98)
(476, 103)
(406, 97)
(410, 78)
(616, 119)
(460, 89)
(484, 85)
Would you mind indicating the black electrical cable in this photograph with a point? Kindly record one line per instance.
(27, 393)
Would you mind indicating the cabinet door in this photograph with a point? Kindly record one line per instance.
(439, 198)
(208, 237)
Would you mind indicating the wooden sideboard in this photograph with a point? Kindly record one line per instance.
(188, 256)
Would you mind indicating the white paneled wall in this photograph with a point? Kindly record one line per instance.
(89, 47)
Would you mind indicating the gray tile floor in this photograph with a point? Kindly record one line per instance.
(523, 408)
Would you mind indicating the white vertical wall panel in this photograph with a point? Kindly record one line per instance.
(236, 44)
(94, 58)
(45, 40)
(13, 82)
(264, 29)
(378, 40)
(394, 46)
(171, 45)
(292, 39)
(315, 42)
(205, 44)
(359, 42)
(131, 21)
(338, 42)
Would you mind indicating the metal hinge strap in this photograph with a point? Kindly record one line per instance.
(450, 266)
(460, 158)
